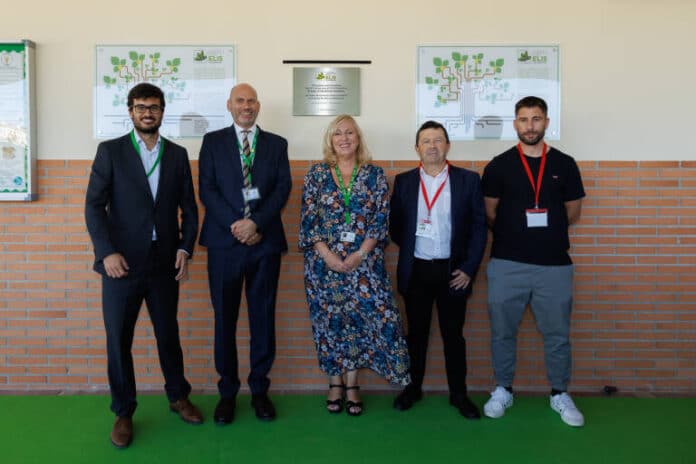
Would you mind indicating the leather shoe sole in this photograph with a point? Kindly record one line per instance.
(224, 411)
(263, 407)
(122, 432)
(188, 412)
(406, 399)
(465, 406)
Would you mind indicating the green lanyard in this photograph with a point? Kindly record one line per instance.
(346, 192)
(248, 160)
(137, 149)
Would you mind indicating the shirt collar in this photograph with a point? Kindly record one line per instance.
(439, 175)
(142, 145)
(240, 136)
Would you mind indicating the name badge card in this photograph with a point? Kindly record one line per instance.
(424, 229)
(251, 193)
(348, 237)
(537, 217)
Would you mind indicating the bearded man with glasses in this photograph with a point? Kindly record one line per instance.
(139, 184)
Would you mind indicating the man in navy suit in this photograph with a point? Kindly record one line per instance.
(138, 185)
(438, 220)
(244, 177)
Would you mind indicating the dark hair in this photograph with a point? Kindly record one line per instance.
(431, 125)
(145, 90)
(532, 102)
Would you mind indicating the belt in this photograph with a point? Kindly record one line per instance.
(431, 261)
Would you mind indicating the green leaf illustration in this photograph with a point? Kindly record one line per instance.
(456, 56)
(114, 60)
(107, 80)
(157, 55)
(500, 62)
(176, 61)
(428, 80)
(133, 55)
(437, 61)
(465, 57)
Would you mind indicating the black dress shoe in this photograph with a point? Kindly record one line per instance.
(224, 411)
(263, 406)
(466, 407)
(407, 397)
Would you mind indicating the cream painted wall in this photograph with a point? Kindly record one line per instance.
(627, 66)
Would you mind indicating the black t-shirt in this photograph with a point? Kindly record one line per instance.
(505, 178)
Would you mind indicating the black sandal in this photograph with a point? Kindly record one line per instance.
(352, 405)
(335, 406)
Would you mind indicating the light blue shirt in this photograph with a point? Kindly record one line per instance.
(149, 157)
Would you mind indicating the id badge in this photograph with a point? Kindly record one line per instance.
(537, 217)
(251, 193)
(424, 229)
(348, 237)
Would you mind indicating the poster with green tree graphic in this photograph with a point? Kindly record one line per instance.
(18, 176)
(196, 81)
(472, 90)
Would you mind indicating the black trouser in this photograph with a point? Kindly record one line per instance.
(121, 302)
(429, 283)
(228, 271)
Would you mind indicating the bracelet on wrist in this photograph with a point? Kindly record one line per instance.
(362, 254)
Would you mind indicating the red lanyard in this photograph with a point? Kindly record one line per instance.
(430, 204)
(536, 188)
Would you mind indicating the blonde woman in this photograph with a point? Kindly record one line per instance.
(343, 231)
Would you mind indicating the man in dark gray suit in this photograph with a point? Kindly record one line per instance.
(138, 185)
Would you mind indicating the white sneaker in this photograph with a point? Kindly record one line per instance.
(500, 400)
(570, 414)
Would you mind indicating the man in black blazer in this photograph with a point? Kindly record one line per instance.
(438, 220)
(138, 185)
(244, 177)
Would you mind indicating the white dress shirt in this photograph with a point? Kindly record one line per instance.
(437, 246)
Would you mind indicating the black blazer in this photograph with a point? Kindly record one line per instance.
(469, 233)
(120, 211)
(220, 187)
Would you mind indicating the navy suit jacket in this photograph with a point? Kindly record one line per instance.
(221, 183)
(121, 212)
(469, 232)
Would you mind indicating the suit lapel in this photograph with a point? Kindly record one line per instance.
(165, 168)
(456, 193)
(261, 153)
(135, 166)
(412, 189)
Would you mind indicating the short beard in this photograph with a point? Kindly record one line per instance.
(534, 141)
(147, 130)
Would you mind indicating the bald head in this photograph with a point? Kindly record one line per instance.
(244, 105)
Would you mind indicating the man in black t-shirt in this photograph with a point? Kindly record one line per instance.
(532, 192)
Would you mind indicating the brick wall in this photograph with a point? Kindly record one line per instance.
(634, 324)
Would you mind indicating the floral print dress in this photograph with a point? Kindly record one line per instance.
(355, 320)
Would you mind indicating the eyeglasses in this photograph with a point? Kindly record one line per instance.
(154, 109)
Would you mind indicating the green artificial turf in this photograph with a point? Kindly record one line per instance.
(75, 429)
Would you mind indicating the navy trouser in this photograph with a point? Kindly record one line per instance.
(228, 271)
(121, 302)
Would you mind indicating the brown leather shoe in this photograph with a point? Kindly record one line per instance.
(187, 411)
(122, 433)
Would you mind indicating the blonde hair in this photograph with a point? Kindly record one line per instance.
(362, 154)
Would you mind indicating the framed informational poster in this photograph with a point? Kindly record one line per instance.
(17, 125)
(196, 81)
(472, 90)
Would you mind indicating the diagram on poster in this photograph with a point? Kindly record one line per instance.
(472, 90)
(196, 81)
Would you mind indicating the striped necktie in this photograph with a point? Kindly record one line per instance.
(246, 150)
